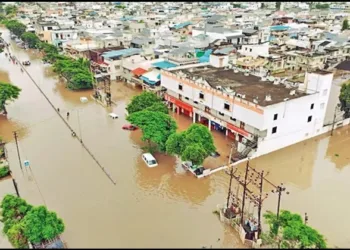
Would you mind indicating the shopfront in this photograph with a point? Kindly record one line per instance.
(179, 106)
(236, 133)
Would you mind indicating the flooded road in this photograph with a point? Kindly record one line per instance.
(159, 207)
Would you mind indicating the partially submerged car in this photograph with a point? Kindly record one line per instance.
(129, 127)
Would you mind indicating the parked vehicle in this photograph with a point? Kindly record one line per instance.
(149, 160)
(114, 116)
(129, 127)
(26, 63)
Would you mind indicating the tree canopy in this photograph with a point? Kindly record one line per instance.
(15, 27)
(146, 100)
(344, 99)
(291, 232)
(75, 71)
(345, 25)
(31, 39)
(40, 225)
(24, 223)
(8, 92)
(194, 144)
(156, 127)
(10, 9)
(322, 6)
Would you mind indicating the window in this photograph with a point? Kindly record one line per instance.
(250, 50)
(220, 113)
(117, 67)
(312, 106)
(274, 130)
(322, 106)
(201, 96)
(233, 119)
(275, 117)
(325, 92)
(195, 102)
(187, 98)
(309, 118)
(180, 87)
(49, 28)
(227, 106)
(246, 48)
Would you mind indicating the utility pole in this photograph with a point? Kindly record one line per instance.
(306, 218)
(260, 202)
(244, 190)
(231, 177)
(16, 187)
(19, 156)
(334, 117)
(279, 190)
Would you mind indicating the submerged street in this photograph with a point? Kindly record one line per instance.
(158, 207)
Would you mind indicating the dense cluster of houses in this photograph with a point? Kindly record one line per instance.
(261, 76)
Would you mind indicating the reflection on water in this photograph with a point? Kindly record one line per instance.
(159, 207)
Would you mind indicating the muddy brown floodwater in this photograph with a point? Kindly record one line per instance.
(159, 207)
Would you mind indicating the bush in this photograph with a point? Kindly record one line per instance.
(4, 171)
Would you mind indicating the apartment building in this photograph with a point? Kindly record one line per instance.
(261, 114)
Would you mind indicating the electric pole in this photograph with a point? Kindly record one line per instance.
(260, 202)
(244, 190)
(16, 187)
(306, 218)
(231, 177)
(19, 156)
(279, 190)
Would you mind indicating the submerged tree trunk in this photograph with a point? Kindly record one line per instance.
(3, 109)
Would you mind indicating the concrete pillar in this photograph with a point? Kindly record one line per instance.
(199, 117)
(226, 132)
(209, 125)
(194, 117)
(178, 110)
(174, 107)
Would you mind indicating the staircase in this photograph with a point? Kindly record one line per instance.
(250, 145)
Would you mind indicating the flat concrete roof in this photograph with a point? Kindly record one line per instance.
(251, 86)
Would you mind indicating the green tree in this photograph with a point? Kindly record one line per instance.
(16, 236)
(15, 27)
(10, 9)
(289, 231)
(194, 153)
(322, 6)
(82, 80)
(40, 225)
(146, 100)
(31, 39)
(344, 99)
(158, 107)
(194, 144)
(156, 127)
(8, 92)
(345, 25)
(278, 5)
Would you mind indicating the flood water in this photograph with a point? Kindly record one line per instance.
(158, 207)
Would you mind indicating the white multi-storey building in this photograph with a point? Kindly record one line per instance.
(261, 115)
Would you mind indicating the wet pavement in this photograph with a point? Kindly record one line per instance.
(158, 207)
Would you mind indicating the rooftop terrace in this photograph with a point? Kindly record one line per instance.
(252, 87)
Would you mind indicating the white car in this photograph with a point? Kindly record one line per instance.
(149, 160)
(114, 116)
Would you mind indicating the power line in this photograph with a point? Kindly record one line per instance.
(71, 129)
